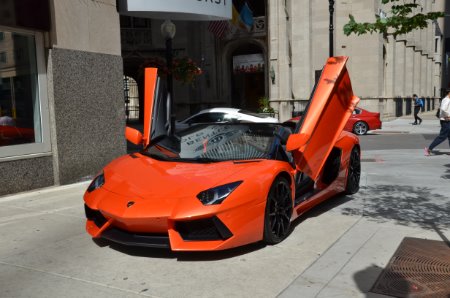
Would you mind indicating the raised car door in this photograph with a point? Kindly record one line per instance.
(157, 107)
(331, 105)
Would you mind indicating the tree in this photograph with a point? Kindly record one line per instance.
(401, 19)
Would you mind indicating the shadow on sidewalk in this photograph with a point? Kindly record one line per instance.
(366, 278)
(406, 205)
(192, 256)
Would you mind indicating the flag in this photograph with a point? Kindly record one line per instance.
(236, 18)
(247, 16)
(235, 23)
(218, 28)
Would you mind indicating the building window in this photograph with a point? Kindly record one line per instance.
(23, 129)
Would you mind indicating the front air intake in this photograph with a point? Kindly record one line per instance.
(208, 229)
(95, 215)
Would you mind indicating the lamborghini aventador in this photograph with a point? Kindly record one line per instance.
(220, 185)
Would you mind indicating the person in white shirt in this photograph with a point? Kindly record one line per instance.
(444, 117)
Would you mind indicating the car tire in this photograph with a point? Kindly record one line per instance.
(279, 206)
(360, 128)
(353, 172)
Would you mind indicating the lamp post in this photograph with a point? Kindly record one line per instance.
(331, 9)
(168, 30)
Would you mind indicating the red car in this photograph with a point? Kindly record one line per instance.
(360, 122)
(12, 135)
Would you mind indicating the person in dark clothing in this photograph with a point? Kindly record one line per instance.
(417, 106)
(444, 117)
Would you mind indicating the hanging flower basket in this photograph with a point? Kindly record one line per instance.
(185, 70)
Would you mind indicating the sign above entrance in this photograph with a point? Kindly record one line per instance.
(188, 10)
(248, 63)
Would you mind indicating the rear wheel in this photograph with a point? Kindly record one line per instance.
(277, 219)
(360, 128)
(354, 172)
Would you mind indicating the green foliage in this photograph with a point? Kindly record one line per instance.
(264, 106)
(400, 20)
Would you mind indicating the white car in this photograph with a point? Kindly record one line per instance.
(223, 115)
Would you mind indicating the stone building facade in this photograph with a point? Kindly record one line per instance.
(61, 81)
(293, 39)
(62, 65)
(385, 72)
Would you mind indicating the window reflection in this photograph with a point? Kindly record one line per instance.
(19, 92)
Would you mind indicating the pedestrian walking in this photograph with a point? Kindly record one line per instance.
(418, 104)
(444, 117)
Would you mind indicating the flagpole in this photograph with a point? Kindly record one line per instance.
(168, 31)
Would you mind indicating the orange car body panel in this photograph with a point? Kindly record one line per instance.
(143, 195)
(325, 118)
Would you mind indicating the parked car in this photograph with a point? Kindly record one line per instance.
(13, 135)
(214, 186)
(223, 115)
(360, 122)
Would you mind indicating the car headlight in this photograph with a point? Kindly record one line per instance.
(97, 182)
(217, 195)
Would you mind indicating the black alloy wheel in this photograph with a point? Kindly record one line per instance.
(354, 172)
(360, 128)
(277, 219)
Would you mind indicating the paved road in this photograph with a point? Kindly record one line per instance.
(338, 249)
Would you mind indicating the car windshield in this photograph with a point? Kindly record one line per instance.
(217, 142)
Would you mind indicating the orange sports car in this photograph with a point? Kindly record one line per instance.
(222, 185)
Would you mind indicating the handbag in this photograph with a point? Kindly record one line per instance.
(438, 113)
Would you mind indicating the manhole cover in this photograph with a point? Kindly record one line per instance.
(419, 268)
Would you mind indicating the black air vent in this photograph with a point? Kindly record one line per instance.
(95, 216)
(203, 230)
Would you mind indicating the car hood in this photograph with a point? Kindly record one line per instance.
(148, 178)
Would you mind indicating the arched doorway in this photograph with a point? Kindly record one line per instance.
(248, 83)
(131, 96)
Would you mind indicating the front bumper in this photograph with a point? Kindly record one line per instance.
(201, 234)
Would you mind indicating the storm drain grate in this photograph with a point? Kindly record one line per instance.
(419, 268)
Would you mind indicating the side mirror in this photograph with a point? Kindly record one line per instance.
(133, 135)
(296, 141)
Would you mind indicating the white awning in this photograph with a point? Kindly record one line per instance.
(189, 10)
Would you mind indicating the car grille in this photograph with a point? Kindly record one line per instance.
(136, 239)
(203, 230)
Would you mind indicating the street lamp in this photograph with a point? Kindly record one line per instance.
(168, 30)
(331, 9)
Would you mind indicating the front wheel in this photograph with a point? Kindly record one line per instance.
(277, 219)
(354, 172)
(360, 128)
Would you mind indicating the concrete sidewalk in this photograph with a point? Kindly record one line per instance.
(429, 125)
(338, 249)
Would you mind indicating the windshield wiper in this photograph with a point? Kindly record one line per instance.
(155, 155)
(200, 159)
